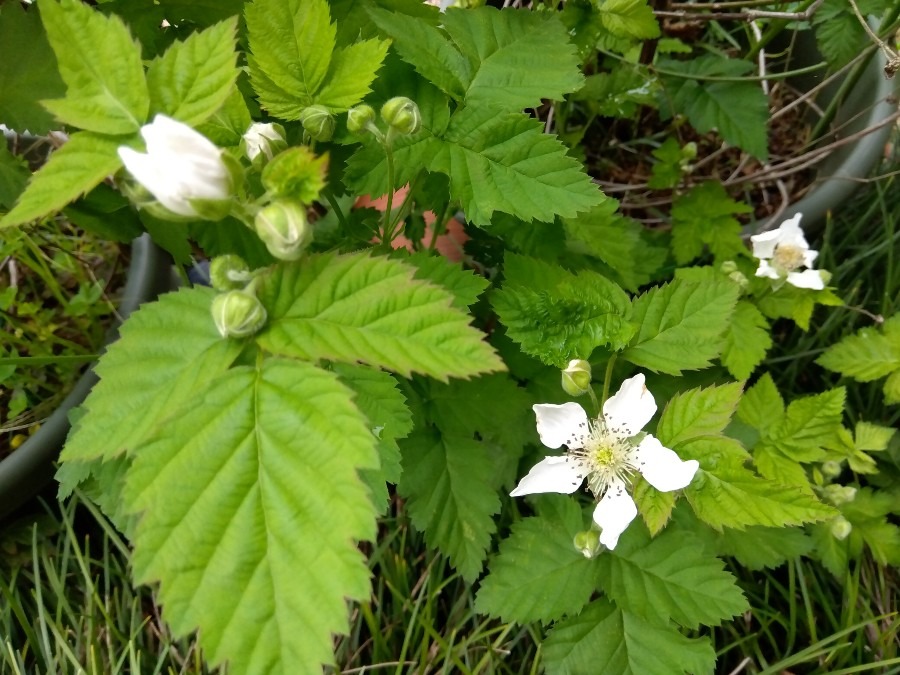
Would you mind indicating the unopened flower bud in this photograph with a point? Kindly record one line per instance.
(238, 314)
(402, 114)
(318, 122)
(283, 227)
(587, 543)
(576, 377)
(359, 119)
(839, 494)
(831, 469)
(264, 140)
(841, 528)
(228, 272)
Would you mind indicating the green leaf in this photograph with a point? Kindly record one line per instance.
(865, 356)
(716, 454)
(698, 412)
(34, 76)
(681, 324)
(761, 405)
(99, 97)
(559, 316)
(629, 19)
(168, 351)
(254, 488)
(501, 161)
(361, 308)
(705, 216)
(80, 165)
(14, 174)
(465, 284)
(872, 437)
(517, 59)
(227, 124)
(603, 640)
(669, 577)
(810, 423)
(447, 481)
(654, 506)
(892, 388)
(621, 92)
(759, 547)
(839, 35)
(291, 44)
(538, 575)
(834, 553)
(350, 74)
(747, 340)
(193, 78)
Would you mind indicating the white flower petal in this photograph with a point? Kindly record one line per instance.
(661, 467)
(764, 244)
(614, 513)
(809, 257)
(565, 424)
(165, 135)
(806, 279)
(162, 185)
(552, 474)
(790, 233)
(766, 270)
(630, 409)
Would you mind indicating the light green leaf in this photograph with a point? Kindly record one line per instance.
(621, 92)
(772, 462)
(698, 412)
(654, 506)
(561, 316)
(681, 324)
(760, 547)
(603, 640)
(99, 97)
(892, 388)
(716, 454)
(193, 78)
(833, 553)
(865, 356)
(168, 351)
(872, 437)
(227, 124)
(761, 405)
(629, 19)
(499, 161)
(255, 489)
(704, 216)
(351, 72)
(811, 423)
(447, 481)
(538, 575)
(76, 168)
(465, 284)
(669, 577)
(747, 340)
(357, 307)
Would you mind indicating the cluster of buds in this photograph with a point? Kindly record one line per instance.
(236, 311)
(401, 114)
(284, 229)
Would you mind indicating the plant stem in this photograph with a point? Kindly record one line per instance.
(329, 197)
(607, 377)
(776, 27)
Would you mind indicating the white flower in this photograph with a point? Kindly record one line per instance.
(262, 138)
(180, 165)
(788, 251)
(607, 452)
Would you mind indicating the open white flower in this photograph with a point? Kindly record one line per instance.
(783, 251)
(180, 165)
(607, 452)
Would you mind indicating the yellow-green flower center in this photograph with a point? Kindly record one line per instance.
(607, 456)
(788, 257)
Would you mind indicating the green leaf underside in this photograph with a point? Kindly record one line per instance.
(76, 168)
(604, 640)
(538, 574)
(447, 482)
(747, 340)
(362, 308)
(98, 98)
(698, 412)
(681, 324)
(670, 577)
(251, 516)
(168, 351)
(194, 78)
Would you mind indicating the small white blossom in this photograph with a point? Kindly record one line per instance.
(180, 165)
(606, 451)
(783, 251)
(262, 138)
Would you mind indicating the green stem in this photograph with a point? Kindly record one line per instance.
(607, 377)
(387, 232)
(440, 225)
(774, 29)
(404, 209)
(329, 197)
(594, 401)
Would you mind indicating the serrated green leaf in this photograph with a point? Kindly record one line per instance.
(764, 547)
(773, 463)
(872, 437)
(865, 356)
(698, 412)
(892, 388)
(100, 98)
(761, 405)
(34, 75)
(74, 169)
(681, 324)
(716, 454)
(499, 161)
(350, 74)
(704, 216)
(669, 577)
(193, 78)
(747, 340)
(465, 284)
(227, 124)
(538, 575)
(629, 19)
(654, 506)
(810, 423)
(14, 175)
(447, 481)
(833, 553)
(168, 351)
(291, 44)
(561, 316)
(839, 35)
(357, 307)
(620, 92)
(255, 489)
(603, 640)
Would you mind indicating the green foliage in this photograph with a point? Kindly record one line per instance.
(558, 316)
(672, 165)
(839, 34)
(747, 340)
(697, 412)
(13, 177)
(868, 355)
(465, 285)
(704, 216)
(681, 324)
(629, 19)
(241, 485)
(759, 547)
(362, 308)
(104, 100)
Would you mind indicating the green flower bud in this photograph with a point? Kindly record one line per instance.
(839, 494)
(402, 114)
(841, 528)
(238, 314)
(359, 119)
(576, 377)
(831, 469)
(228, 272)
(283, 227)
(587, 543)
(318, 122)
